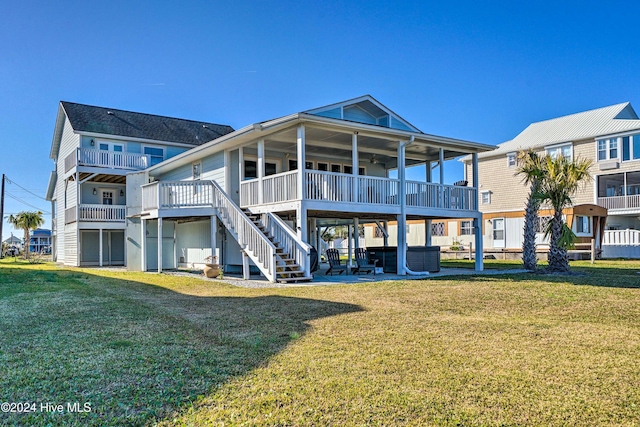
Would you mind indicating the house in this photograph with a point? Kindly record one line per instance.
(40, 241)
(257, 198)
(13, 241)
(94, 149)
(606, 209)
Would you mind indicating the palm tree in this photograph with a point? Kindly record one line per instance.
(562, 178)
(530, 166)
(26, 221)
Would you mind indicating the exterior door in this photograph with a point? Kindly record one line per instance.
(111, 154)
(498, 233)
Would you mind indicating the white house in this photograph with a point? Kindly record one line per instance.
(260, 194)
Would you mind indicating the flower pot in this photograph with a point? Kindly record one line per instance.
(211, 270)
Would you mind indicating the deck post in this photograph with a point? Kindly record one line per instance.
(402, 218)
(159, 245)
(477, 228)
(354, 165)
(427, 232)
(246, 269)
(100, 249)
(385, 235)
(441, 164)
(349, 246)
(300, 143)
(227, 171)
(474, 161)
(214, 242)
(143, 244)
(301, 223)
(260, 170)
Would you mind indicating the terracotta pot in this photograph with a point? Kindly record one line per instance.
(211, 270)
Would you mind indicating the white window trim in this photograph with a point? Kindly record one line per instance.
(193, 177)
(575, 226)
(488, 193)
(608, 149)
(164, 151)
(111, 144)
(509, 157)
(102, 190)
(468, 228)
(631, 153)
(560, 146)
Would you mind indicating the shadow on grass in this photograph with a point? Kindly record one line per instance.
(604, 273)
(135, 352)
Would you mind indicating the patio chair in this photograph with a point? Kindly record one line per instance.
(333, 256)
(363, 263)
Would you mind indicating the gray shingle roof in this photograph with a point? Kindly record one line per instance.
(109, 121)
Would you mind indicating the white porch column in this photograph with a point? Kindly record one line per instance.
(143, 244)
(427, 232)
(428, 171)
(402, 218)
(175, 244)
(246, 269)
(349, 246)
(313, 230)
(354, 165)
(227, 172)
(301, 223)
(214, 242)
(260, 170)
(441, 163)
(159, 245)
(100, 250)
(477, 228)
(300, 142)
(474, 172)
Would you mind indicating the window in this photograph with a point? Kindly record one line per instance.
(293, 165)
(197, 171)
(107, 197)
(543, 222)
(466, 228)
(250, 169)
(336, 168)
(583, 224)
(608, 149)
(486, 197)
(156, 155)
(323, 167)
(348, 169)
(630, 147)
(437, 228)
(362, 171)
(564, 150)
(511, 160)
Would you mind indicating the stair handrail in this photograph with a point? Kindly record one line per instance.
(289, 240)
(252, 241)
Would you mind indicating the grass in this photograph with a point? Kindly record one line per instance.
(150, 349)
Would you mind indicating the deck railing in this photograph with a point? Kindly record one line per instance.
(620, 202)
(339, 187)
(288, 240)
(105, 213)
(176, 194)
(107, 159)
(621, 237)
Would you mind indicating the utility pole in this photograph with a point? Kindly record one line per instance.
(1, 215)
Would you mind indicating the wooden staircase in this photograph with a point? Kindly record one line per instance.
(288, 269)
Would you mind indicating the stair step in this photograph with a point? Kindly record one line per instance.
(287, 266)
(295, 279)
(290, 272)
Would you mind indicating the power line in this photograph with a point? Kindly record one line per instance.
(15, 183)
(25, 203)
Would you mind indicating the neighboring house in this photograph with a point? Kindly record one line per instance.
(94, 150)
(609, 136)
(256, 196)
(14, 241)
(40, 241)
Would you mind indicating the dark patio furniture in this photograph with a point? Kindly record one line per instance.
(363, 263)
(333, 257)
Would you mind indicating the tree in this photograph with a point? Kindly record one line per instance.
(530, 166)
(562, 178)
(26, 221)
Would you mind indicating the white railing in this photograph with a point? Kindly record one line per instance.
(427, 194)
(150, 196)
(620, 202)
(184, 194)
(379, 191)
(107, 159)
(249, 195)
(621, 237)
(280, 188)
(106, 213)
(288, 240)
(255, 244)
(328, 186)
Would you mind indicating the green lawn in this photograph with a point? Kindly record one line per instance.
(148, 349)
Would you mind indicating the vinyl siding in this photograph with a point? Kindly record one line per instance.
(194, 242)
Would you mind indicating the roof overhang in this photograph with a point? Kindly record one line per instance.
(257, 131)
(57, 133)
(51, 188)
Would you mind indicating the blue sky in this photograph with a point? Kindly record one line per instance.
(474, 70)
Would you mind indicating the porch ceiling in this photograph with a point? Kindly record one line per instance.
(320, 141)
(111, 179)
